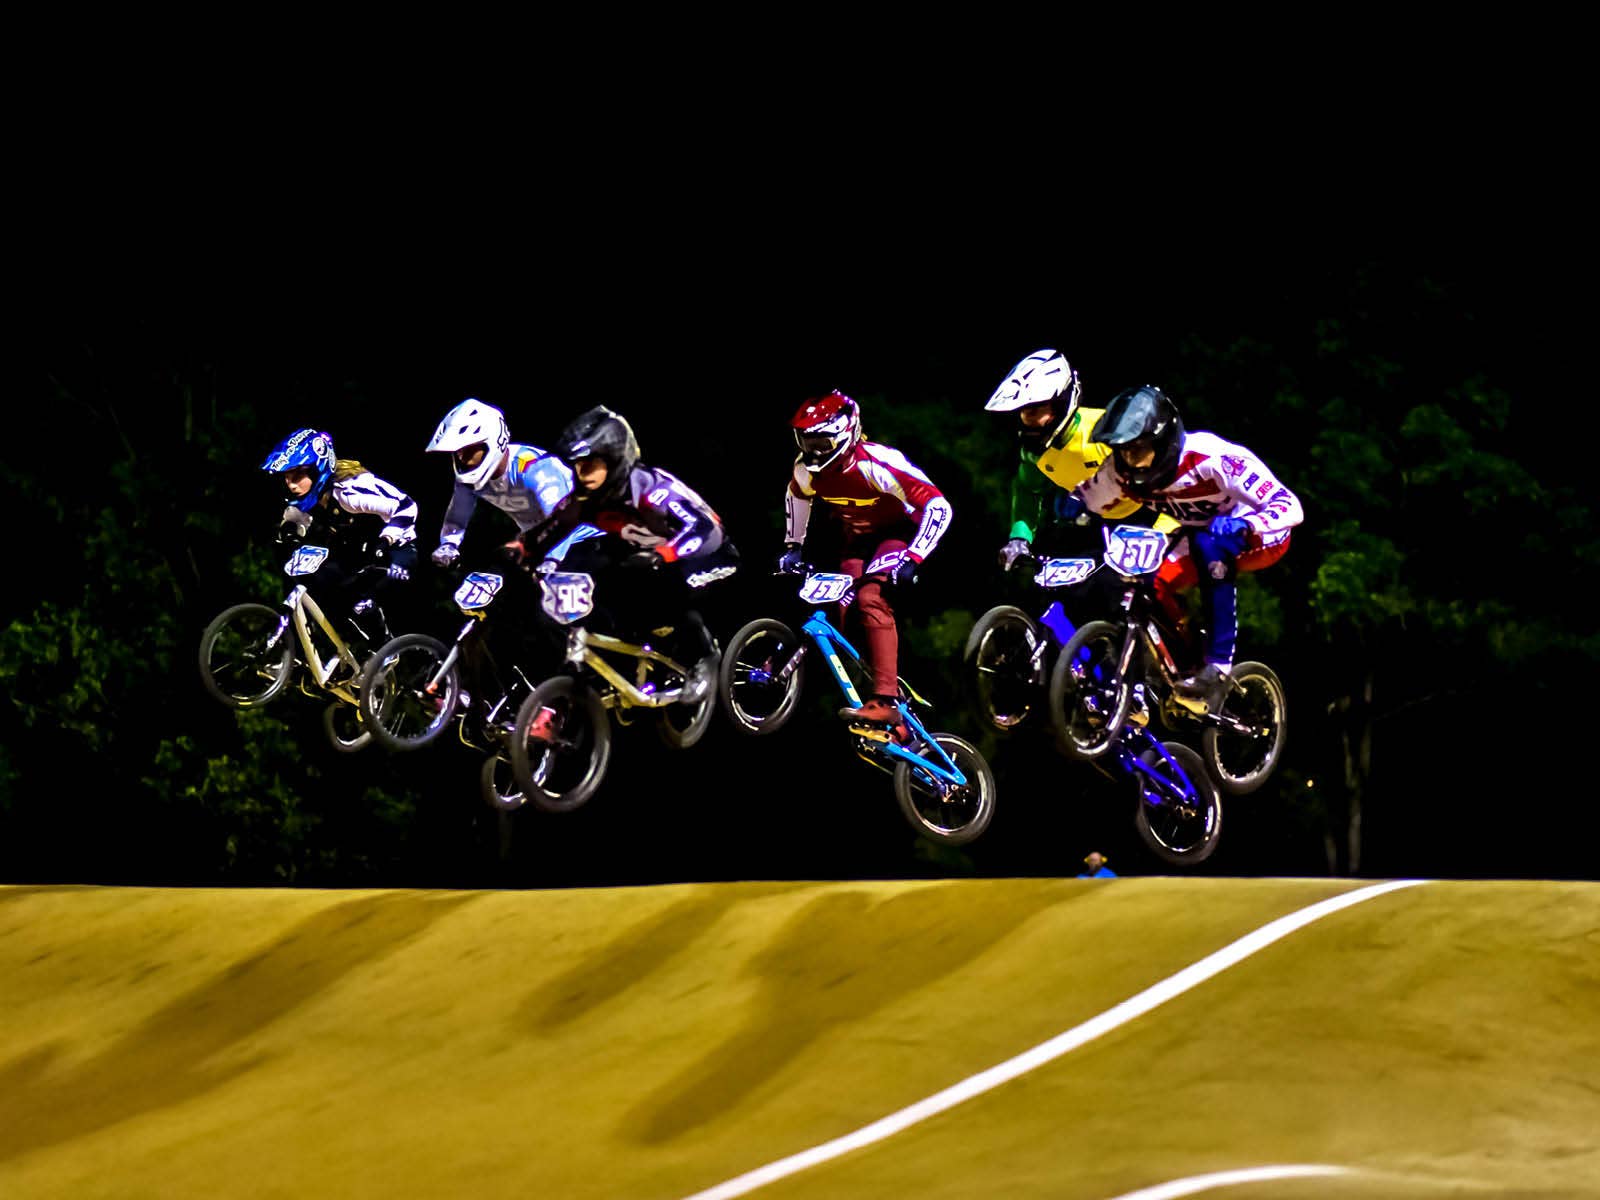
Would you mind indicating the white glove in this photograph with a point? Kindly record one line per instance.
(1013, 550)
(446, 554)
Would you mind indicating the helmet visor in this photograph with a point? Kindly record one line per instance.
(1140, 415)
(814, 447)
(471, 456)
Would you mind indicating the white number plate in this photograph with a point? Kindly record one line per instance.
(568, 596)
(477, 590)
(825, 587)
(305, 560)
(1134, 549)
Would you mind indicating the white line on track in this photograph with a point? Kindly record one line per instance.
(1062, 1043)
(1204, 1183)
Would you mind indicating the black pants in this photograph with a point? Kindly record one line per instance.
(633, 600)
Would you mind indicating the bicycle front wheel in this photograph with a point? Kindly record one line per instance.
(1244, 751)
(400, 704)
(1005, 685)
(754, 696)
(560, 745)
(236, 665)
(1088, 699)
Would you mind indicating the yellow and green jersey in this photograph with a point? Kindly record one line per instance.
(1067, 460)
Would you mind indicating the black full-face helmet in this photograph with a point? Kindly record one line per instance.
(1138, 416)
(603, 434)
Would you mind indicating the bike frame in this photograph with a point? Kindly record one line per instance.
(583, 649)
(938, 767)
(298, 604)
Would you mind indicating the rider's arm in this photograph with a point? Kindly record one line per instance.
(893, 474)
(1029, 486)
(366, 493)
(797, 505)
(1266, 505)
(671, 502)
(462, 501)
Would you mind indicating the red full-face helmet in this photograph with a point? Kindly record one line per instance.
(825, 427)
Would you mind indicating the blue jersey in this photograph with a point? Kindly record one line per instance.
(530, 490)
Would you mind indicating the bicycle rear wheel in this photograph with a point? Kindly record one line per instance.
(1244, 751)
(1179, 812)
(952, 816)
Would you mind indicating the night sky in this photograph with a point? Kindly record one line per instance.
(707, 320)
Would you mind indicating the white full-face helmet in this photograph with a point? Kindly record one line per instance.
(468, 425)
(1043, 377)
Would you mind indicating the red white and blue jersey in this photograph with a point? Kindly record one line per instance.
(1215, 478)
(874, 492)
(529, 491)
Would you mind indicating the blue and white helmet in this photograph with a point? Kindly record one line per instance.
(472, 423)
(304, 448)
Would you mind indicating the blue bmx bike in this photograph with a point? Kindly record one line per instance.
(1008, 663)
(943, 784)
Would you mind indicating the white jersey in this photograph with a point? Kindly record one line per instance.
(364, 494)
(1215, 478)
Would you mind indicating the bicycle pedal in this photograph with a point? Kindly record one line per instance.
(872, 733)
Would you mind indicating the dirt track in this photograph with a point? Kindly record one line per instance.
(653, 1042)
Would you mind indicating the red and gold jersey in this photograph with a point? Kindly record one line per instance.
(872, 491)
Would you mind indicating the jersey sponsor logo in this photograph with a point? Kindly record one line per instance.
(1189, 512)
(1265, 489)
(700, 578)
(1232, 466)
(847, 501)
(1251, 482)
(690, 546)
(656, 497)
(639, 536)
(682, 513)
(885, 562)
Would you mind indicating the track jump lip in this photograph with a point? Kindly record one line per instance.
(975, 1085)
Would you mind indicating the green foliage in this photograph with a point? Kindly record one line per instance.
(1360, 581)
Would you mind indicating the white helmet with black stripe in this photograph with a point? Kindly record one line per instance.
(1043, 377)
(466, 427)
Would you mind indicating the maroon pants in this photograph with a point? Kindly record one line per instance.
(878, 631)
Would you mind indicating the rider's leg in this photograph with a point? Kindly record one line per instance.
(881, 638)
(1219, 572)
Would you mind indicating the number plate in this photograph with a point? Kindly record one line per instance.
(477, 590)
(568, 596)
(1134, 549)
(1064, 572)
(306, 560)
(824, 587)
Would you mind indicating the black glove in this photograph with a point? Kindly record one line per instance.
(288, 532)
(904, 573)
(789, 561)
(642, 560)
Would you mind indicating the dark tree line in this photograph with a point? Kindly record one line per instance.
(1431, 623)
